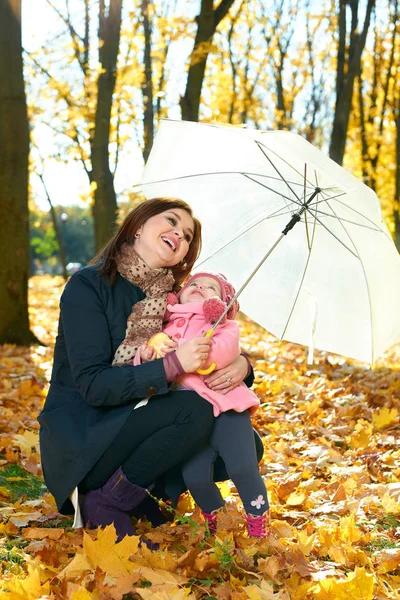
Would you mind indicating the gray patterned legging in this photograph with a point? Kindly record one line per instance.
(232, 438)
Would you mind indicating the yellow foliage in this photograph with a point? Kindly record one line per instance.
(385, 417)
(358, 585)
(81, 594)
(361, 438)
(348, 532)
(108, 555)
(329, 499)
(23, 588)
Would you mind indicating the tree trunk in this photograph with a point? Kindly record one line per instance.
(148, 117)
(208, 21)
(397, 189)
(59, 237)
(348, 68)
(14, 144)
(105, 202)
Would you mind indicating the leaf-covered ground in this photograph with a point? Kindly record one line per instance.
(331, 464)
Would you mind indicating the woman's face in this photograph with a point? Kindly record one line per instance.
(165, 238)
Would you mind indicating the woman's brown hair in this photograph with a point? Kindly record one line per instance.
(105, 259)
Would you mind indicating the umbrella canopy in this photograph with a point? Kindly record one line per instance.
(333, 282)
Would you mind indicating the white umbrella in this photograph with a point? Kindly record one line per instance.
(333, 281)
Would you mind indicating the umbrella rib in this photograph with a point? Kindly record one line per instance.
(358, 213)
(346, 206)
(277, 170)
(272, 190)
(332, 234)
(366, 282)
(304, 202)
(233, 240)
(334, 216)
(144, 183)
(259, 144)
(328, 198)
(278, 179)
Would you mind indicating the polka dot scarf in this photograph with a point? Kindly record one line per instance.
(147, 315)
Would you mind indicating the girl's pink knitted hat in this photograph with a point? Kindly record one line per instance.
(227, 290)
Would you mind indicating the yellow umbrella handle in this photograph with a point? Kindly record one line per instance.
(213, 365)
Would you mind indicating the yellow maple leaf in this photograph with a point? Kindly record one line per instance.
(263, 592)
(348, 531)
(362, 435)
(385, 417)
(81, 594)
(389, 559)
(390, 505)
(158, 576)
(29, 388)
(185, 504)
(28, 442)
(296, 499)
(224, 488)
(253, 592)
(78, 565)
(29, 588)
(159, 560)
(358, 585)
(111, 557)
(305, 542)
(167, 593)
(236, 582)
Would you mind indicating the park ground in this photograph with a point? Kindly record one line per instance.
(331, 464)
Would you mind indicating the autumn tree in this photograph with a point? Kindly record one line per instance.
(396, 118)
(14, 144)
(351, 43)
(372, 131)
(87, 118)
(207, 23)
(263, 75)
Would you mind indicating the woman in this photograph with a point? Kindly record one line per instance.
(98, 432)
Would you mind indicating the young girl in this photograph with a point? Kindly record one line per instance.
(189, 316)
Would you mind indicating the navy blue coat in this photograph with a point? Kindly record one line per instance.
(89, 400)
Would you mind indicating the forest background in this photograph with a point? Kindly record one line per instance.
(84, 88)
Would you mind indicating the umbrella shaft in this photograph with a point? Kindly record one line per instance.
(296, 217)
(250, 277)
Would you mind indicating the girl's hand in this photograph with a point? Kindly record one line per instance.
(226, 379)
(193, 353)
(147, 353)
(169, 346)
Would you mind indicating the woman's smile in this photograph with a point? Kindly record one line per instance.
(171, 241)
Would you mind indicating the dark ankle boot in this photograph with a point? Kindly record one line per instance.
(112, 504)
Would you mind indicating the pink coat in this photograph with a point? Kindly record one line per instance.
(187, 321)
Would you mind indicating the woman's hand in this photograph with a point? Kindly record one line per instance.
(226, 379)
(193, 353)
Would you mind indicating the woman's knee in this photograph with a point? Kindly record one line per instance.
(197, 415)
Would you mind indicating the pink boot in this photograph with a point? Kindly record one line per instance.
(211, 520)
(257, 525)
